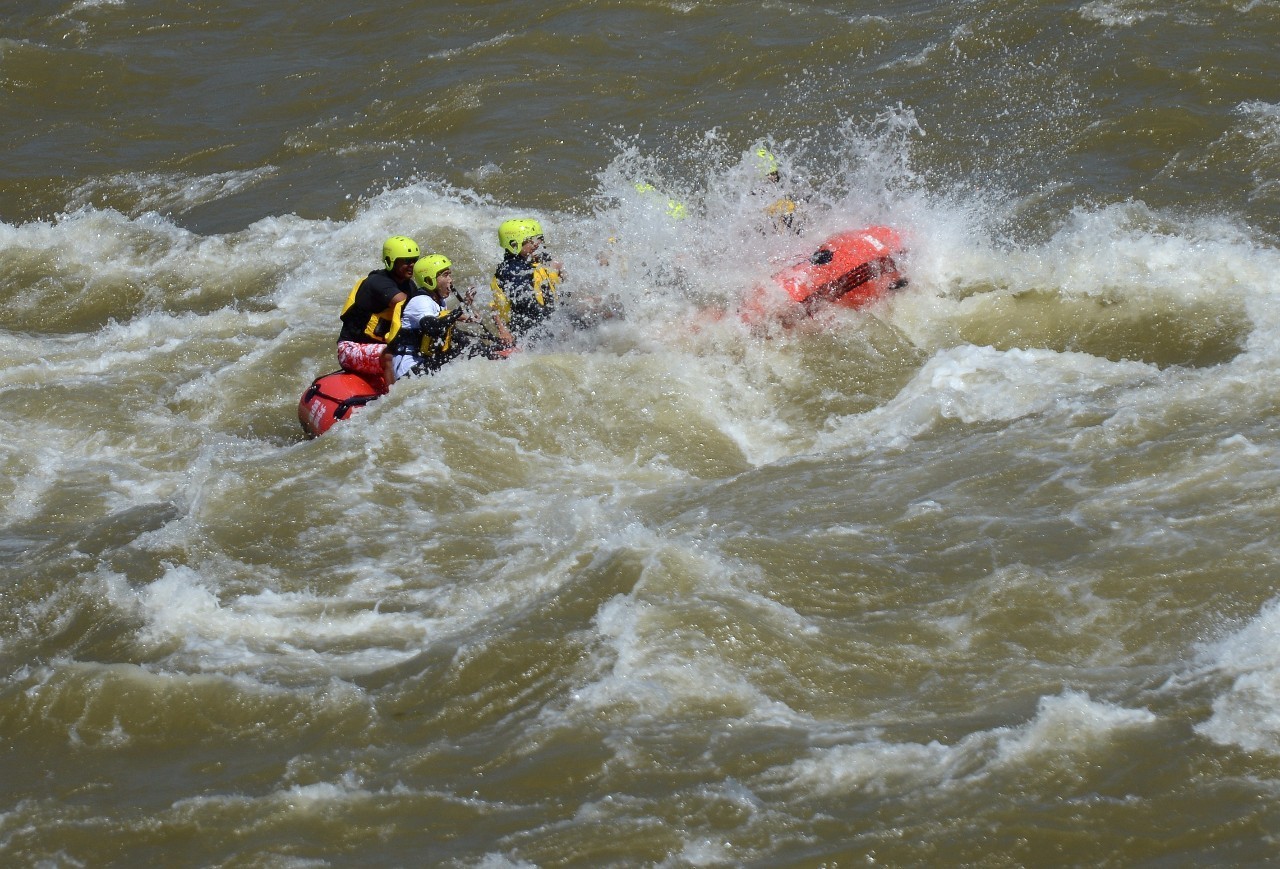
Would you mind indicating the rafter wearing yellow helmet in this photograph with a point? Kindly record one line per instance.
(525, 283)
(782, 210)
(368, 315)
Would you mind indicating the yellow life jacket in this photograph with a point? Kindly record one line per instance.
(501, 305)
(435, 341)
(437, 345)
(394, 328)
(781, 207)
(545, 283)
(378, 328)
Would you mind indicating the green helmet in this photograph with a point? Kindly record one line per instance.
(427, 269)
(514, 233)
(766, 161)
(399, 247)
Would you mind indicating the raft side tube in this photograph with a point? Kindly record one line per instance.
(851, 269)
(333, 397)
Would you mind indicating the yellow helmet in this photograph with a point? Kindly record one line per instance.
(427, 269)
(766, 161)
(514, 233)
(675, 208)
(399, 247)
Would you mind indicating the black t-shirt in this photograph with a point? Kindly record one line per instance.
(373, 296)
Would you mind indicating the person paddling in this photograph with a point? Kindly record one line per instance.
(426, 334)
(369, 313)
(525, 282)
(782, 210)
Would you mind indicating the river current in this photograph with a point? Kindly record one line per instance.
(981, 575)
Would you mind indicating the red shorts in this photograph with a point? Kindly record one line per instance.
(363, 359)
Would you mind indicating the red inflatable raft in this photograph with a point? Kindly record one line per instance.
(333, 397)
(851, 269)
